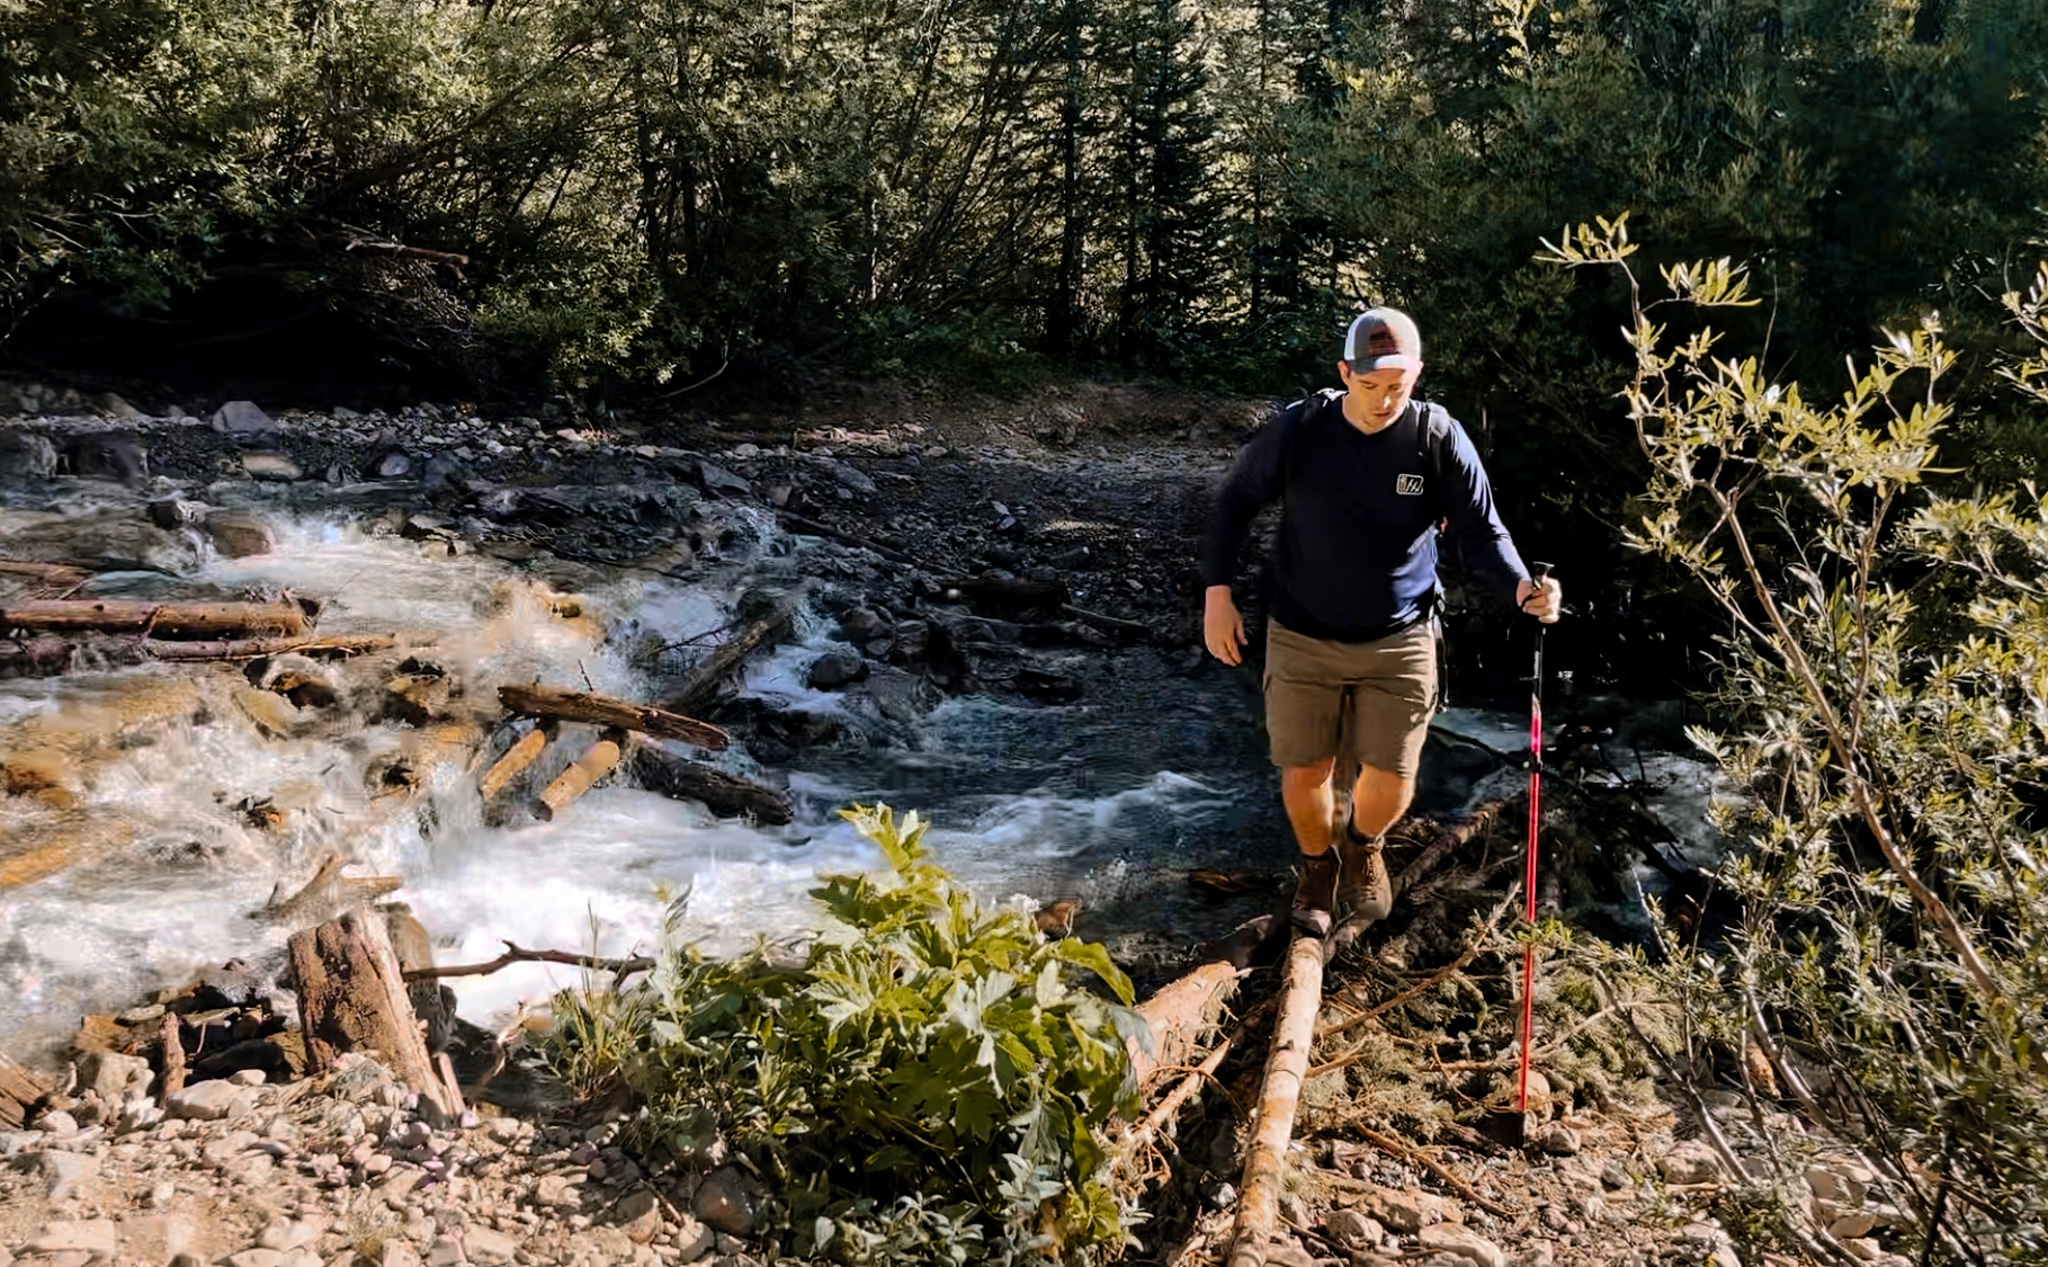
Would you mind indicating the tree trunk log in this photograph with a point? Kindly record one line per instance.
(1301, 998)
(251, 648)
(1181, 1014)
(727, 795)
(20, 1092)
(54, 575)
(704, 681)
(164, 620)
(598, 761)
(515, 761)
(606, 710)
(352, 997)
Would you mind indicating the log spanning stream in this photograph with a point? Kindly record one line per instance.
(149, 810)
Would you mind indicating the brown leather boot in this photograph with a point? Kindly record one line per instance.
(1367, 893)
(1315, 894)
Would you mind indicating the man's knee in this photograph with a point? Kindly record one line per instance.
(1307, 777)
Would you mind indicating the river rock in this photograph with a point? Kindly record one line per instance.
(1462, 1242)
(853, 478)
(113, 406)
(275, 468)
(237, 536)
(692, 1239)
(105, 455)
(206, 1101)
(26, 456)
(639, 1213)
(1690, 1162)
(393, 464)
(863, 624)
(1558, 1140)
(241, 417)
(90, 1236)
(836, 669)
(1354, 1231)
(65, 1174)
(114, 1077)
(718, 481)
(1405, 1213)
(722, 1203)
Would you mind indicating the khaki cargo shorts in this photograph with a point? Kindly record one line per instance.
(1373, 698)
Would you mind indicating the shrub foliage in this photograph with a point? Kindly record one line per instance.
(923, 1083)
(1882, 711)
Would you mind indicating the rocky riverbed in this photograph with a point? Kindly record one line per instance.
(959, 556)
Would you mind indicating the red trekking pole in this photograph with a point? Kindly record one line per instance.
(1538, 572)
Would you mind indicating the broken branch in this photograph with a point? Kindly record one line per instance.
(516, 954)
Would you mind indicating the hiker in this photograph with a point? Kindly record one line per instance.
(1366, 477)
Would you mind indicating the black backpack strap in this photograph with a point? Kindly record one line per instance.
(1312, 404)
(1433, 440)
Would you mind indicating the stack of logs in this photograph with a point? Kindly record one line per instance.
(44, 628)
(620, 740)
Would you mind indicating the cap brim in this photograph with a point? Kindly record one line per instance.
(1398, 361)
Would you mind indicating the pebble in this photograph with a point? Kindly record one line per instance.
(206, 1101)
(1690, 1162)
(1462, 1242)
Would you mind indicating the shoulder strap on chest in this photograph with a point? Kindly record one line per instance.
(1311, 409)
(1433, 443)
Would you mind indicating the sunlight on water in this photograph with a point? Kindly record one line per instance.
(163, 864)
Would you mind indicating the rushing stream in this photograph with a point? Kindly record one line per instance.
(1109, 800)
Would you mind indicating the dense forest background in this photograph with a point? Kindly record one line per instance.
(614, 199)
(604, 195)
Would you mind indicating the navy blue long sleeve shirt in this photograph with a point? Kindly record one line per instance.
(1356, 557)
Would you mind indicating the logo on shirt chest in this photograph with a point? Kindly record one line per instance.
(1408, 485)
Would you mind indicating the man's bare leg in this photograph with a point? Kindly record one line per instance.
(1305, 792)
(1378, 800)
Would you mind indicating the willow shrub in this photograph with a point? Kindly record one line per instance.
(1882, 714)
(923, 1084)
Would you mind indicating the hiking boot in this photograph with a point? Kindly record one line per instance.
(1315, 894)
(1367, 893)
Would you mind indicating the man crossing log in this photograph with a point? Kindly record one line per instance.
(1367, 478)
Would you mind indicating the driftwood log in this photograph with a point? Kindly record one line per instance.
(552, 702)
(352, 997)
(161, 620)
(597, 761)
(1181, 1015)
(253, 648)
(707, 679)
(727, 795)
(20, 1092)
(517, 758)
(1301, 998)
(170, 1055)
(54, 575)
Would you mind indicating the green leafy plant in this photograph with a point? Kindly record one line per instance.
(1881, 711)
(923, 1082)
